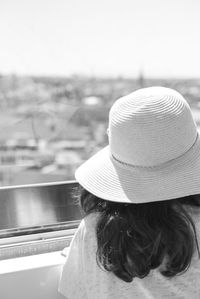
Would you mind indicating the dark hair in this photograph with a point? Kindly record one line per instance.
(133, 239)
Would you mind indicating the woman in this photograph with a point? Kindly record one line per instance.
(139, 236)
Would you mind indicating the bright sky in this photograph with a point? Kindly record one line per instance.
(100, 37)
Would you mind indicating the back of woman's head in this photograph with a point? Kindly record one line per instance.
(133, 239)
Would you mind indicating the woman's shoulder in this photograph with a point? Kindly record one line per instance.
(194, 213)
(88, 223)
(90, 220)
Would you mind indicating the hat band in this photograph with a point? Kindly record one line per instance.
(158, 166)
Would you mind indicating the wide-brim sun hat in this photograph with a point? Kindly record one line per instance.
(153, 152)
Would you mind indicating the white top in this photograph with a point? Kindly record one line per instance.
(82, 278)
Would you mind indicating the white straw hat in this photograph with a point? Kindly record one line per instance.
(153, 152)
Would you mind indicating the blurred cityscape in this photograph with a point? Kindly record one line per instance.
(49, 126)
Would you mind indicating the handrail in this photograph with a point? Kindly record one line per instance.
(38, 185)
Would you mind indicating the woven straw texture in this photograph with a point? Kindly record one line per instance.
(153, 152)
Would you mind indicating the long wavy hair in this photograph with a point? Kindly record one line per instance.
(133, 239)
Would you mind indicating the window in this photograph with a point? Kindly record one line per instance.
(62, 65)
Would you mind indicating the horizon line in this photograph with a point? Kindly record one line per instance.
(98, 76)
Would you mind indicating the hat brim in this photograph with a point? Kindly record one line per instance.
(110, 180)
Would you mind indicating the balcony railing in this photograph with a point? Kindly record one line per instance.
(37, 218)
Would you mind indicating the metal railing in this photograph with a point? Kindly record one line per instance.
(37, 218)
